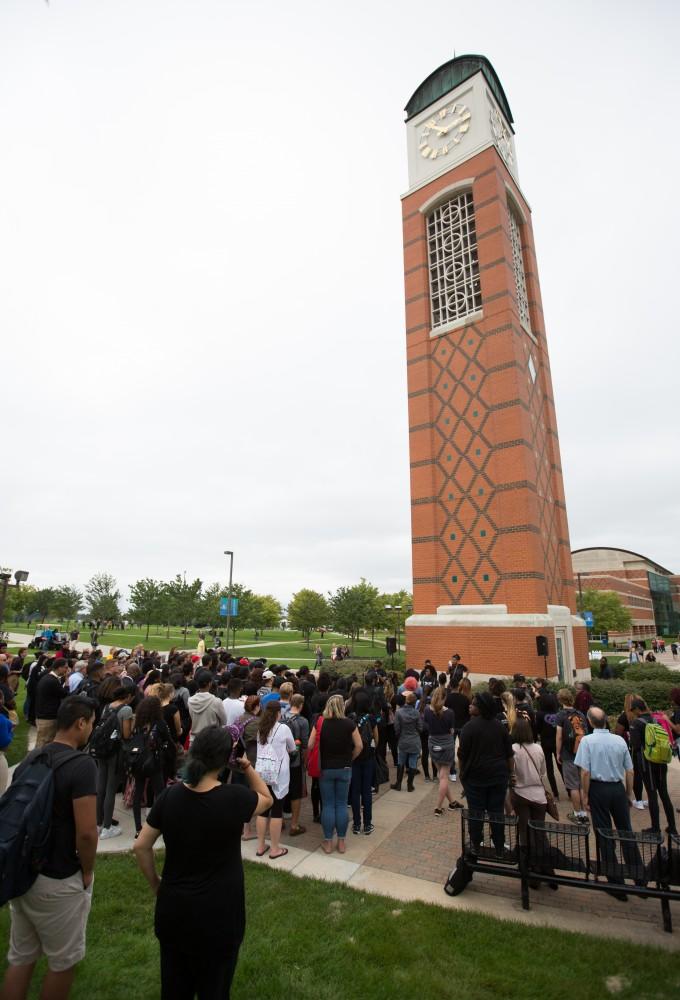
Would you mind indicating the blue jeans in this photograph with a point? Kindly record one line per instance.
(407, 759)
(362, 791)
(334, 784)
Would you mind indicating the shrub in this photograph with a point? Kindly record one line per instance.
(650, 672)
(610, 695)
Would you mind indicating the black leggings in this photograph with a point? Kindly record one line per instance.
(655, 780)
(184, 977)
(316, 797)
(425, 755)
(154, 787)
(549, 752)
(387, 738)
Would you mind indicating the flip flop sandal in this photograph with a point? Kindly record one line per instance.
(261, 854)
(296, 831)
(275, 857)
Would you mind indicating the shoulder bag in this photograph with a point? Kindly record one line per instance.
(551, 807)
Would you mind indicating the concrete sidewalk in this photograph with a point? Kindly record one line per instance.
(411, 851)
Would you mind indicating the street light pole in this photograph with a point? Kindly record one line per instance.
(20, 577)
(231, 575)
(397, 609)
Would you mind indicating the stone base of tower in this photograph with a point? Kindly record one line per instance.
(492, 642)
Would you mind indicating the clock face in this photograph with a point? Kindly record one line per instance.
(501, 135)
(443, 131)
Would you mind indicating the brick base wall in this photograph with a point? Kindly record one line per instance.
(496, 651)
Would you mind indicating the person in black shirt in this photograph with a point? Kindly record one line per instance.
(51, 918)
(548, 707)
(458, 700)
(49, 694)
(486, 763)
(654, 776)
(201, 821)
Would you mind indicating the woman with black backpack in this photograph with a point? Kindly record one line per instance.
(363, 766)
(145, 756)
(106, 744)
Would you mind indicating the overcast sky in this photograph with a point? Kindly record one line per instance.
(201, 282)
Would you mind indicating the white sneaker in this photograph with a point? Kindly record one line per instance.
(452, 777)
(645, 803)
(638, 804)
(109, 832)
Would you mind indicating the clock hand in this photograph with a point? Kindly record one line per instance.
(457, 121)
(437, 128)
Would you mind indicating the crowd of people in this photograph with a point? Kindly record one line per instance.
(236, 745)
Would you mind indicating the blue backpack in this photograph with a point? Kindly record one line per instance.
(26, 823)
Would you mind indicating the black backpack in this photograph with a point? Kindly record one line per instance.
(106, 737)
(366, 732)
(26, 822)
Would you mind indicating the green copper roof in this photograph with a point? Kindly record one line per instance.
(450, 75)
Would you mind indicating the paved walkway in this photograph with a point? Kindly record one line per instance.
(411, 852)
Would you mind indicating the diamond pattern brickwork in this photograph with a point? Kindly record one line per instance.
(489, 521)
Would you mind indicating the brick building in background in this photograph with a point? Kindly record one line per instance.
(650, 592)
(491, 556)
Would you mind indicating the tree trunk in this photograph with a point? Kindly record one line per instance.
(148, 626)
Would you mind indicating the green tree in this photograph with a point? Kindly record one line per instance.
(102, 597)
(307, 610)
(266, 612)
(20, 602)
(609, 614)
(67, 603)
(400, 605)
(354, 608)
(184, 600)
(41, 603)
(147, 602)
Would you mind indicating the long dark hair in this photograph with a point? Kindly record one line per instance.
(268, 718)
(148, 712)
(209, 752)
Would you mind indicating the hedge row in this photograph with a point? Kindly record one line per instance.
(639, 671)
(610, 695)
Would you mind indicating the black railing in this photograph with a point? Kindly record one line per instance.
(625, 863)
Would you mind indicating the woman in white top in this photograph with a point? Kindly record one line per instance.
(274, 744)
(528, 793)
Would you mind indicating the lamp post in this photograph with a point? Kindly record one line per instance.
(20, 577)
(396, 608)
(231, 576)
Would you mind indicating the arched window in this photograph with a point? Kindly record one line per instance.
(518, 266)
(455, 290)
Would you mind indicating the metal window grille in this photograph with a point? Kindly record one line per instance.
(518, 266)
(455, 288)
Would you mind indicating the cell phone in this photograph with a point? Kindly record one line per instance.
(240, 748)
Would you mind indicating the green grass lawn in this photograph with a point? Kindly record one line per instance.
(317, 941)
(16, 751)
(275, 644)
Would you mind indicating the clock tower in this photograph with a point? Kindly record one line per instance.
(492, 573)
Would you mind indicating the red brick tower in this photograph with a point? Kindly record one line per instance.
(491, 554)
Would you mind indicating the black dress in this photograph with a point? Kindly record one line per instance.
(202, 883)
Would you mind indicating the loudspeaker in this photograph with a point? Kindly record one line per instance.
(390, 645)
(542, 645)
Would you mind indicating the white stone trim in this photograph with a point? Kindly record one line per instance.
(438, 331)
(512, 197)
(445, 194)
(494, 616)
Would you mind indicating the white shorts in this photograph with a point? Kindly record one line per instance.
(51, 920)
